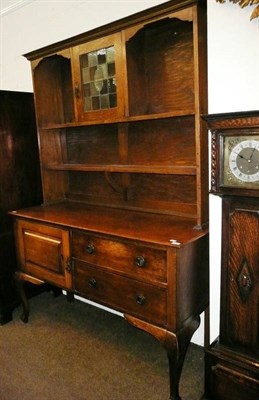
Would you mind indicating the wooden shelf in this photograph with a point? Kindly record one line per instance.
(150, 169)
(135, 118)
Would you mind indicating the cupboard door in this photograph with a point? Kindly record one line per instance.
(43, 252)
(99, 76)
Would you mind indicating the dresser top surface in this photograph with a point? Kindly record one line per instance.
(147, 227)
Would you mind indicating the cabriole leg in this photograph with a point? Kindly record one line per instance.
(20, 279)
(24, 301)
(175, 344)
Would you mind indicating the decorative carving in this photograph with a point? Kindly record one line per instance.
(213, 162)
(244, 3)
(245, 281)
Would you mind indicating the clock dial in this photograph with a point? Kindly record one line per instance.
(241, 161)
(244, 161)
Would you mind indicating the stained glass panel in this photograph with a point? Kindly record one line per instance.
(98, 79)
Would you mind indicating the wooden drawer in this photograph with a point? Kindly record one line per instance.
(123, 256)
(44, 252)
(122, 293)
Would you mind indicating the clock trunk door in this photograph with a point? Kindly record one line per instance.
(240, 278)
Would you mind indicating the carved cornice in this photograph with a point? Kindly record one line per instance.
(245, 3)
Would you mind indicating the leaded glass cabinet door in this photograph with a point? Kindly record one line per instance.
(99, 79)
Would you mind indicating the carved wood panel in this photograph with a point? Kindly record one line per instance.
(242, 275)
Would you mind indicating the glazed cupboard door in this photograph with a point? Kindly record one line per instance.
(43, 252)
(99, 75)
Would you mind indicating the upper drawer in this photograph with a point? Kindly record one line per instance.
(124, 256)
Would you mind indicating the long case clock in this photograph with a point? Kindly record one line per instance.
(232, 361)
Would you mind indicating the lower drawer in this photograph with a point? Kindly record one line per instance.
(124, 294)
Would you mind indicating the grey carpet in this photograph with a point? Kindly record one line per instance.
(74, 351)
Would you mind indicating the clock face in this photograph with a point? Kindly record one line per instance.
(241, 161)
(244, 161)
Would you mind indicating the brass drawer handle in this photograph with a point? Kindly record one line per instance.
(90, 248)
(92, 282)
(140, 261)
(141, 300)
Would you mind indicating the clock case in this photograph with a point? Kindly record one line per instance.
(221, 125)
(232, 360)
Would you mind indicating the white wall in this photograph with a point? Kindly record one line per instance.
(233, 69)
(42, 22)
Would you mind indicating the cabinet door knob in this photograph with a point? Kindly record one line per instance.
(92, 282)
(90, 248)
(140, 261)
(141, 300)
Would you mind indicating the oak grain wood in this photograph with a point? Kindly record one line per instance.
(125, 210)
